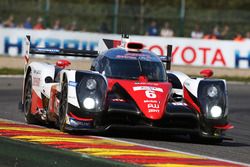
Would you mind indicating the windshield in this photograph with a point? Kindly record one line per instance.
(133, 68)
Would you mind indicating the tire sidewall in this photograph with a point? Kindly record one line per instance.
(63, 110)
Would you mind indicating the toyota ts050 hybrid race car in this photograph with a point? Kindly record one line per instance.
(126, 86)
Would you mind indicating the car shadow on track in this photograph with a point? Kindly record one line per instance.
(157, 136)
(150, 136)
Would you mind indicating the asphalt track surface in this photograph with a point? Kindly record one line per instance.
(239, 108)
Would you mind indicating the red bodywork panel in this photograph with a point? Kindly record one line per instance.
(150, 97)
(36, 102)
(190, 101)
(224, 127)
(53, 101)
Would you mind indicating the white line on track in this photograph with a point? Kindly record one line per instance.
(11, 76)
(154, 147)
(181, 152)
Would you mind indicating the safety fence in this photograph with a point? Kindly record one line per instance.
(119, 16)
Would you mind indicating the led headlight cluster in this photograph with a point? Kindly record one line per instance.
(89, 103)
(213, 100)
(91, 84)
(91, 92)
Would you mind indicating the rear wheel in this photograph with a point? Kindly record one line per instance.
(63, 108)
(30, 118)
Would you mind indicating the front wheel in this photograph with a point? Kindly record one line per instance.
(63, 108)
(29, 117)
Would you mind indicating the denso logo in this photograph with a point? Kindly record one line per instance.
(153, 110)
(18, 43)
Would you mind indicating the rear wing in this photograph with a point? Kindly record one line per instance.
(57, 52)
(86, 53)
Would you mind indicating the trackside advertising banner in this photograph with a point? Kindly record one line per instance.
(211, 53)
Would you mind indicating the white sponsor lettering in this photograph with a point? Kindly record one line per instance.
(153, 105)
(153, 110)
(186, 51)
(179, 104)
(151, 101)
(148, 88)
(36, 81)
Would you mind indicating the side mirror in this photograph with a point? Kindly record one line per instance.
(207, 73)
(169, 55)
(63, 63)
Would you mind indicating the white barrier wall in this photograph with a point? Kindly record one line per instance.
(212, 53)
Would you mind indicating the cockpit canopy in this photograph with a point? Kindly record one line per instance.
(122, 64)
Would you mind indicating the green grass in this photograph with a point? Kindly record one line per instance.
(235, 78)
(230, 78)
(11, 71)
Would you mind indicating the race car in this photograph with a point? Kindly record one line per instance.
(127, 86)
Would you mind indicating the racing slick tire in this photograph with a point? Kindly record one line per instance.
(63, 107)
(30, 118)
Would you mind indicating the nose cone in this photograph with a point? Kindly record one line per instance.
(150, 97)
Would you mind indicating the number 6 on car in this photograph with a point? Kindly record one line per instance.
(150, 94)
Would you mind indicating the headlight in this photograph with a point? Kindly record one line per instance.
(89, 103)
(212, 96)
(216, 111)
(91, 84)
(212, 91)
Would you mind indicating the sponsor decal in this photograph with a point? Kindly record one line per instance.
(48, 50)
(36, 81)
(80, 124)
(14, 44)
(147, 88)
(190, 54)
(37, 72)
(118, 100)
(179, 104)
(153, 110)
(146, 83)
(209, 53)
(239, 58)
(150, 105)
(151, 101)
(72, 83)
(134, 56)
